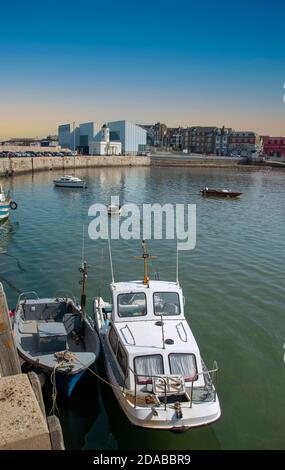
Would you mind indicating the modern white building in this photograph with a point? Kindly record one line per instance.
(131, 136)
(115, 138)
(102, 144)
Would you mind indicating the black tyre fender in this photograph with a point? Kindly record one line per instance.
(13, 205)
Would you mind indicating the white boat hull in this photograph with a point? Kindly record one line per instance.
(196, 416)
(70, 184)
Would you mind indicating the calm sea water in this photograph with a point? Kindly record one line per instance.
(233, 282)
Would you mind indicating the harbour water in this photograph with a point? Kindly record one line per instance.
(233, 282)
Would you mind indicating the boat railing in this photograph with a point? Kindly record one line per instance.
(65, 295)
(27, 295)
(136, 376)
(210, 378)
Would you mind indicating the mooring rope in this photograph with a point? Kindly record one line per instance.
(65, 358)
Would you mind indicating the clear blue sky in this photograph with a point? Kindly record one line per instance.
(189, 63)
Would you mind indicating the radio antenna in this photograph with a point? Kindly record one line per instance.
(83, 271)
(177, 263)
(111, 261)
(83, 245)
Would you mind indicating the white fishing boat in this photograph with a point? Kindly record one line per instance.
(5, 205)
(152, 360)
(113, 209)
(68, 181)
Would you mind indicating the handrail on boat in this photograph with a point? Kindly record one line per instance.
(145, 375)
(64, 295)
(211, 373)
(185, 332)
(213, 377)
(24, 294)
(128, 328)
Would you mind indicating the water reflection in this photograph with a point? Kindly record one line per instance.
(233, 283)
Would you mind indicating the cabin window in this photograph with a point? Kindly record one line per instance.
(183, 364)
(113, 339)
(166, 303)
(132, 305)
(122, 359)
(147, 366)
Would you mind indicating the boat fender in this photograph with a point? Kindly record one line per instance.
(13, 205)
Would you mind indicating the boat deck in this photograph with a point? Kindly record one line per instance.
(28, 343)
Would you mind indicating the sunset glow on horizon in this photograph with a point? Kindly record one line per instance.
(97, 62)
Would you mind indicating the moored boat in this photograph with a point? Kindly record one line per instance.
(68, 181)
(55, 336)
(219, 192)
(114, 209)
(152, 360)
(5, 205)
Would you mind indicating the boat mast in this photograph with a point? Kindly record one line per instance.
(177, 264)
(111, 260)
(83, 270)
(145, 256)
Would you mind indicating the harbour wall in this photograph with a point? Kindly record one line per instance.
(18, 165)
(177, 161)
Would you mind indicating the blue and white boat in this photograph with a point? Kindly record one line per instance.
(5, 205)
(55, 336)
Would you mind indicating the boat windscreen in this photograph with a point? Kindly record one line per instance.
(166, 303)
(131, 305)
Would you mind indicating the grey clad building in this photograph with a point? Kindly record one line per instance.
(131, 136)
(87, 132)
(64, 138)
(77, 138)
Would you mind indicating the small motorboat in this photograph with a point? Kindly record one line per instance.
(219, 192)
(54, 336)
(68, 181)
(5, 205)
(152, 360)
(114, 209)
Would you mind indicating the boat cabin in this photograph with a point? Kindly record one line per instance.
(148, 335)
(136, 301)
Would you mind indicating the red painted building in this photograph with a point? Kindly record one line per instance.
(274, 146)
